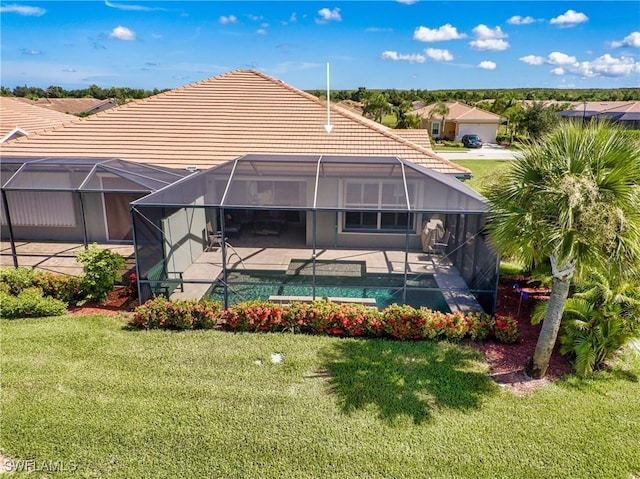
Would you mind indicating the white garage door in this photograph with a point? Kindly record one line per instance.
(486, 132)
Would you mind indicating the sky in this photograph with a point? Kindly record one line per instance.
(403, 44)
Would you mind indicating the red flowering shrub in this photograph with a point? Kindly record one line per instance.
(254, 316)
(324, 317)
(160, 313)
(404, 322)
(132, 287)
(505, 329)
(480, 325)
(64, 287)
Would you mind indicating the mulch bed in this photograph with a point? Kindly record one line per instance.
(506, 361)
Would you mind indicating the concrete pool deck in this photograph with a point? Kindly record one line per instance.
(201, 274)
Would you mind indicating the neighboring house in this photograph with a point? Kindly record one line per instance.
(19, 119)
(72, 106)
(461, 120)
(625, 113)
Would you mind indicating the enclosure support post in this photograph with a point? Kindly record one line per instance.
(406, 259)
(223, 249)
(135, 252)
(14, 254)
(84, 222)
(313, 257)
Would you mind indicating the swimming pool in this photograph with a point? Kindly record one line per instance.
(386, 289)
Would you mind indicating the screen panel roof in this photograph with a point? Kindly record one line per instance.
(84, 174)
(320, 182)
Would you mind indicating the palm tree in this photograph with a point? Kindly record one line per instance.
(572, 201)
(440, 110)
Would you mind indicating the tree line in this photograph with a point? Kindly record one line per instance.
(119, 94)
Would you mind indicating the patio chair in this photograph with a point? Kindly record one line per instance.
(214, 238)
(440, 247)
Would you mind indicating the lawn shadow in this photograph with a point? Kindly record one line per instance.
(406, 378)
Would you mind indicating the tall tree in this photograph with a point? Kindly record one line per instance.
(573, 201)
(440, 110)
(405, 116)
(376, 106)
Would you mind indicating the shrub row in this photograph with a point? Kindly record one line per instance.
(62, 287)
(323, 317)
(30, 303)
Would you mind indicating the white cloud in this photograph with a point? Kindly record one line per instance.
(410, 57)
(122, 33)
(132, 8)
(228, 19)
(23, 10)
(261, 31)
(570, 18)
(26, 51)
(483, 32)
(328, 15)
(293, 18)
(378, 30)
(487, 65)
(532, 60)
(255, 18)
(439, 55)
(557, 58)
(445, 32)
(608, 66)
(518, 20)
(631, 40)
(407, 2)
(492, 44)
(558, 71)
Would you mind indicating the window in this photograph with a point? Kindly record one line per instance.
(435, 129)
(381, 195)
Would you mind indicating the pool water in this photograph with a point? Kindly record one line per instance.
(386, 289)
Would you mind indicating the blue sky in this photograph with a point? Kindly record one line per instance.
(376, 44)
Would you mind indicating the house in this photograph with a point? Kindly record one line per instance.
(461, 120)
(624, 113)
(72, 106)
(262, 166)
(209, 123)
(19, 119)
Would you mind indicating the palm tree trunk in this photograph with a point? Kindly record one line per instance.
(537, 366)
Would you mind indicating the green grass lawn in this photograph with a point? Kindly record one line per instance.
(482, 170)
(85, 391)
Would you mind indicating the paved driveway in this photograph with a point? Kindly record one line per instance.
(487, 152)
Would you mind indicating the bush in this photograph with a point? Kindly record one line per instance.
(30, 303)
(101, 272)
(325, 317)
(480, 325)
(59, 286)
(17, 279)
(505, 329)
(254, 316)
(160, 313)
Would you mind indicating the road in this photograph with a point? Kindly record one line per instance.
(487, 152)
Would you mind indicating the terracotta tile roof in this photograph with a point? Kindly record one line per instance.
(418, 136)
(461, 112)
(72, 106)
(219, 119)
(607, 106)
(31, 119)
